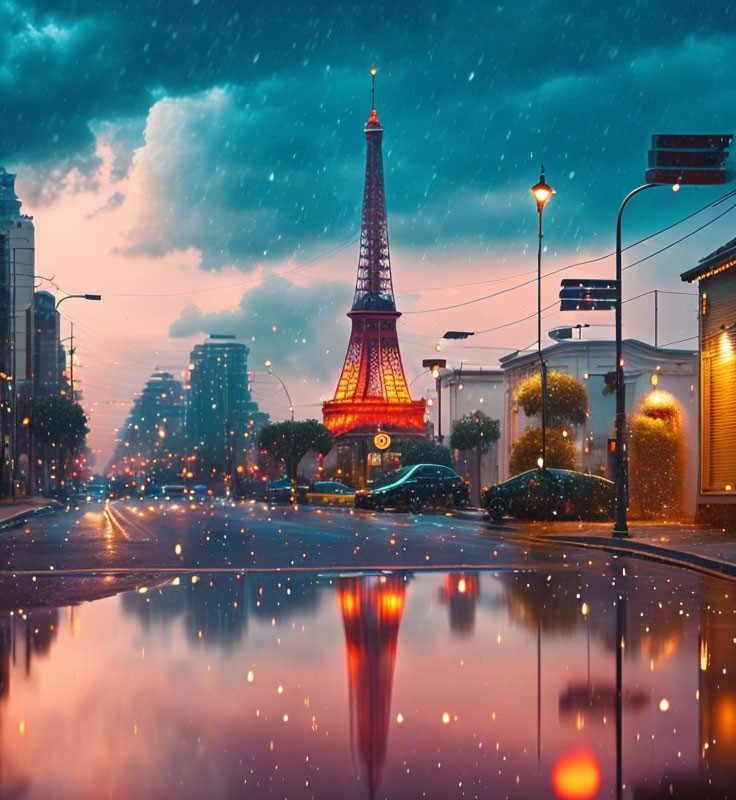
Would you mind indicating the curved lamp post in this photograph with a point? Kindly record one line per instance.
(267, 365)
(71, 348)
(541, 192)
(80, 297)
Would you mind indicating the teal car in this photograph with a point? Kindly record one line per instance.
(551, 494)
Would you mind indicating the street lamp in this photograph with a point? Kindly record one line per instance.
(620, 525)
(267, 365)
(78, 296)
(541, 192)
(435, 365)
(71, 338)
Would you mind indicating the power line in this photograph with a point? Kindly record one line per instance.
(682, 238)
(679, 341)
(600, 258)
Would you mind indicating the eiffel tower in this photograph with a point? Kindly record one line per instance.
(372, 394)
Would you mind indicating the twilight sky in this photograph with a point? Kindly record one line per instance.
(200, 164)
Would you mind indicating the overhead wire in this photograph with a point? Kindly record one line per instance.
(570, 266)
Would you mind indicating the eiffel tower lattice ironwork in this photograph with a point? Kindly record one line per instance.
(372, 392)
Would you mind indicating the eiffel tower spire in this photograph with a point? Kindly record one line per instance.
(372, 392)
(373, 288)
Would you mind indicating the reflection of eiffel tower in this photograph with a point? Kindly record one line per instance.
(371, 612)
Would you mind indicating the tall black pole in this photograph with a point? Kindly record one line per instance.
(439, 409)
(14, 367)
(542, 365)
(621, 527)
(71, 361)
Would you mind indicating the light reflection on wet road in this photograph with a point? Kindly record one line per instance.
(134, 534)
(396, 684)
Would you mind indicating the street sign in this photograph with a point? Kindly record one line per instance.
(689, 159)
(458, 334)
(590, 294)
(703, 159)
(691, 141)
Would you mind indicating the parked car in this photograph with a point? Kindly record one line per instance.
(551, 494)
(412, 488)
(200, 492)
(174, 491)
(330, 493)
(284, 490)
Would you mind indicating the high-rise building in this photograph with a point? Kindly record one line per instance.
(48, 354)
(17, 276)
(152, 442)
(222, 419)
(372, 394)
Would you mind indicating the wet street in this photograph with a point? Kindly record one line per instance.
(247, 535)
(251, 651)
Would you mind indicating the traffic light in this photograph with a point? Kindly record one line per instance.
(688, 159)
(590, 294)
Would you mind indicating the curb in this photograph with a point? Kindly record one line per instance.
(23, 516)
(677, 558)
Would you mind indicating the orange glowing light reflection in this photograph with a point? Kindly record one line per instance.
(576, 776)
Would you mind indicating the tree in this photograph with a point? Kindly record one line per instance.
(290, 441)
(567, 398)
(57, 421)
(657, 467)
(475, 431)
(422, 451)
(526, 451)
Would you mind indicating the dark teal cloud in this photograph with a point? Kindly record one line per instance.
(473, 95)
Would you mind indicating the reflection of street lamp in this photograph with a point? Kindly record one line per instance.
(435, 365)
(541, 192)
(267, 365)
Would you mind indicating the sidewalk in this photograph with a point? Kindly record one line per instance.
(706, 549)
(14, 513)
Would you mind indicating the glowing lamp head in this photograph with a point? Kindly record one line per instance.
(267, 364)
(435, 372)
(542, 191)
(374, 71)
(540, 462)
